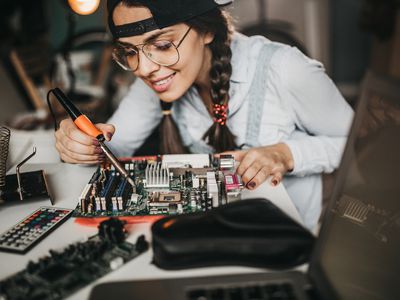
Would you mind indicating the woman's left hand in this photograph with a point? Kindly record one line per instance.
(257, 164)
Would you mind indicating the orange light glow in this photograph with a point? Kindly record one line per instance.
(84, 7)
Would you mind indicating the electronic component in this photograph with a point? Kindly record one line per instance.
(164, 185)
(63, 272)
(27, 233)
(20, 186)
(233, 187)
(226, 163)
(30, 186)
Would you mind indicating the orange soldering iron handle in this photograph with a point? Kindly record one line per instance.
(84, 124)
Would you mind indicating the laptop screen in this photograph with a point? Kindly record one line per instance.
(358, 252)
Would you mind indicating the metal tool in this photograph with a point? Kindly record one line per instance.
(84, 124)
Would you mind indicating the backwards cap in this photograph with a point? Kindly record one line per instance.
(165, 13)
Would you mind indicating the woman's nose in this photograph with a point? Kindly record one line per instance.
(146, 66)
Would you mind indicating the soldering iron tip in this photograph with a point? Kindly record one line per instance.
(130, 180)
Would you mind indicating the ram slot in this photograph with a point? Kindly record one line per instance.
(108, 190)
(117, 195)
(120, 195)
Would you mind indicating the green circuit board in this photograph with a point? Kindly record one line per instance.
(164, 185)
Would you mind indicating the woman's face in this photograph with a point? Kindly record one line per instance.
(171, 82)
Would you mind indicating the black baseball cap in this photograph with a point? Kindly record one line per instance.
(165, 13)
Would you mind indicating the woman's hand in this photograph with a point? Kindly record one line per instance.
(77, 147)
(257, 164)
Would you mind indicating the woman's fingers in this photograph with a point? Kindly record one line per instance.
(255, 175)
(69, 143)
(250, 172)
(108, 130)
(259, 178)
(74, 157)
(259, 163)
(69, 129)
(276, 178)
(75, 146)
(247, 160)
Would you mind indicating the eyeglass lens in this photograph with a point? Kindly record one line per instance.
(161, 52)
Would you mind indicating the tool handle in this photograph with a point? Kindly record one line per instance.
(80, 120)
(84, 124)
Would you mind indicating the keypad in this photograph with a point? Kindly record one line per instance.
(25, 234)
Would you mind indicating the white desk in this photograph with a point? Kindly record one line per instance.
(66, 183)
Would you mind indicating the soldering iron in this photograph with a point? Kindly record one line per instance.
(84, 124)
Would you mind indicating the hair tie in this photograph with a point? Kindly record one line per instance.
(220, 113)
(166, 112)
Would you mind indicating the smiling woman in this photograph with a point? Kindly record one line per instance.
(272, 107)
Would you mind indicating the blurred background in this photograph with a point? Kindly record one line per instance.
(44, 43)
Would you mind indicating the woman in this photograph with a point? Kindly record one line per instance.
(229, 92)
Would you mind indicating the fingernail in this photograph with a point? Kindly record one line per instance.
(96, 142)
(251, 184)
(98, 150)
(109, 135)
(275, 182)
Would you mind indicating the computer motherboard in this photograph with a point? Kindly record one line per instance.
(164, 185)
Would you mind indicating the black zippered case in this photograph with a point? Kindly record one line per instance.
(252, 232)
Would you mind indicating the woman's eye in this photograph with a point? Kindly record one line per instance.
(124, 51)
(130, 52)
(162, 45)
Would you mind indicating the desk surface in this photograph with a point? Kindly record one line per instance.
(66, 183)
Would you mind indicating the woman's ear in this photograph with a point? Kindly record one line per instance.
(208, 38)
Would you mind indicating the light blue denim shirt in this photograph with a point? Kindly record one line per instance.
(276, 95)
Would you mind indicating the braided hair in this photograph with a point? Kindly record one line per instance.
(219, 23)
(218, 135)
(170, 139)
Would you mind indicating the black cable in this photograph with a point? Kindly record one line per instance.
(51, 110)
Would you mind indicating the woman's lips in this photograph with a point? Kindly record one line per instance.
(163, 84)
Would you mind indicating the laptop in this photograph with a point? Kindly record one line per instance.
(357, 253)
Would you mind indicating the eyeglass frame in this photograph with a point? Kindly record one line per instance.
(140, 47)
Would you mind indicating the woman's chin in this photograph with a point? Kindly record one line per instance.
(169, 96)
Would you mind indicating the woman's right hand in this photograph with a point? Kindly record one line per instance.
(77, 147)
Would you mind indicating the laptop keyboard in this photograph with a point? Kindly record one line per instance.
(254, 292)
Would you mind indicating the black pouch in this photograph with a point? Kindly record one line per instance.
(251, 232)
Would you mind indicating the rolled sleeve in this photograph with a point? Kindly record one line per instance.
(322, 116)
(316, 154)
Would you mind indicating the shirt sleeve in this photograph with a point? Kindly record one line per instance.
(322, 116)
(135, 119)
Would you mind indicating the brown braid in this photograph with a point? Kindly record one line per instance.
(170, 140)
(219, 23)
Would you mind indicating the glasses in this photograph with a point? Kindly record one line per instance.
(162, 52)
